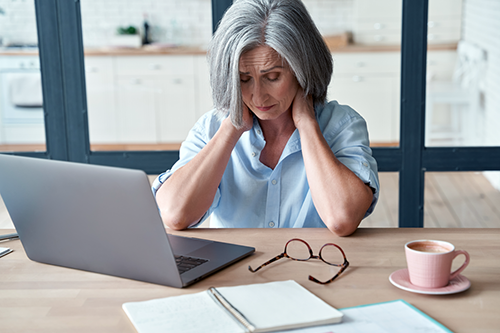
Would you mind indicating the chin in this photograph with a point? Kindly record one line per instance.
(270, 115)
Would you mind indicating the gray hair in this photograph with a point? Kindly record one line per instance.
(285, 26)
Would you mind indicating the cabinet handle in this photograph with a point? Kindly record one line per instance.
(378, 38)
(357, 78)
(431, 24)
(378, 26)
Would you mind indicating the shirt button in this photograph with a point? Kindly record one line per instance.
(258, 132)
(365, 164)
(253, 154)
(271, 224)
(274, 182)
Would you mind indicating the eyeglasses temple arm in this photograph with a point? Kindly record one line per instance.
(344, 266)
(266, 263)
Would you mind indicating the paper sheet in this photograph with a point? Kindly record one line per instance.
(4, 251)
(388, 317)
(281, 304)
(172, 315)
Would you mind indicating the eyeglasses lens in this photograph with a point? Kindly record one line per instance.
(332, 255)
(297, 250)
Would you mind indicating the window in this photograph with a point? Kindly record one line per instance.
(62, 63)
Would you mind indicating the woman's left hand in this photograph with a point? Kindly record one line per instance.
(302, 108)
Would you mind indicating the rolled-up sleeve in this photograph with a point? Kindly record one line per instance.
(346, 133)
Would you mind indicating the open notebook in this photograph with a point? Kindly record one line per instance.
(249, 308)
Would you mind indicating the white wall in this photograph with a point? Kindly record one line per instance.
(17, 23)
(185, 22)
(481, 26)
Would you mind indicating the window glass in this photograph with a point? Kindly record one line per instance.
(462, 200)
(463, 77)
(21, 104)
(364, 37)
(146, 71)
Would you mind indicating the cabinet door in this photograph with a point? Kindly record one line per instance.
(369, 83)
(22, 134)
(177, 112)
(156, 98)
(375, 98)
(137, 102)
(99, 78)
(203, 89)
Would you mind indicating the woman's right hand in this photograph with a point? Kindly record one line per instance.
(187, 195)
(247, 118)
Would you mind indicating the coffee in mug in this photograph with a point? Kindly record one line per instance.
(429, 262)
(429, 246)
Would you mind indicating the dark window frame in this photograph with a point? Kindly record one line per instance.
(65, 106)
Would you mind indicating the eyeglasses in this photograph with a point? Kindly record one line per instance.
(298, 249)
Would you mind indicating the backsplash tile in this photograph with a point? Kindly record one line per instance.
(187, 22)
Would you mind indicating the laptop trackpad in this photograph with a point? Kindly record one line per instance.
(184, 245)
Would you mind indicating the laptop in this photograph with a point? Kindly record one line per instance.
(104, 220)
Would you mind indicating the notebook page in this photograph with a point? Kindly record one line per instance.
(187, 313)
(4, 251)
(283, 304)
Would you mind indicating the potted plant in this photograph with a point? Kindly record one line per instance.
(127, 37)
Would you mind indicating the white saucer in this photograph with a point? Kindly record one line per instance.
(401, 279)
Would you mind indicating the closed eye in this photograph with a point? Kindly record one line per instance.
(273, 77)
(245, 78)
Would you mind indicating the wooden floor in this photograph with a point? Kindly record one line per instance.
(452, 200)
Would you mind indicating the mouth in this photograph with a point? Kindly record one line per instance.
(264, 108)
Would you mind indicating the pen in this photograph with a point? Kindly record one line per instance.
(238, 315)
(8, 237)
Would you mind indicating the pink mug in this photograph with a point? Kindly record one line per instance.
(429, 262)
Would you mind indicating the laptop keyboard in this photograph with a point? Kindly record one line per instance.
(184, 263)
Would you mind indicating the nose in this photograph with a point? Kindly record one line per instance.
(259, 94)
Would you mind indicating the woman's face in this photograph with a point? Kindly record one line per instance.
(268, 86)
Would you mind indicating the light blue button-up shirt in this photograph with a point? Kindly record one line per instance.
(252, 195)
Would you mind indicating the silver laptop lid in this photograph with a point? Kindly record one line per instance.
(94, 218)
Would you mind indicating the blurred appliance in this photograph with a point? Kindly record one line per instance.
(20, 90)
(21, 111)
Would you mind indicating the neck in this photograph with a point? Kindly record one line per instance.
(281, 127)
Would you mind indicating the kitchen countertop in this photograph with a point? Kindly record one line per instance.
(193, 50)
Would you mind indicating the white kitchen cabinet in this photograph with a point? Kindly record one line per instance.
(22, 134)
(99, 77)
(203, 89)
(155, 65)
(177, 114)
(155, 98)
(375, 99)
(137, 103)
(369, 83)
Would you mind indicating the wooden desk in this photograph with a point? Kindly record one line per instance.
(55, 299)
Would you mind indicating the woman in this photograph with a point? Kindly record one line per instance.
(273, 153)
